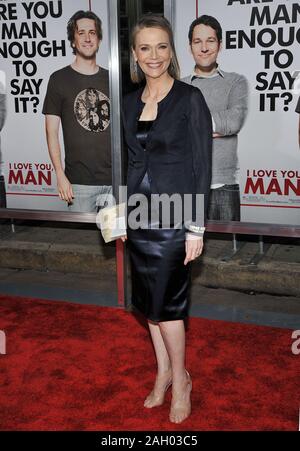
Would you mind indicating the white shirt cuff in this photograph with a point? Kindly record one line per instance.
(193, 236)
(213, 125)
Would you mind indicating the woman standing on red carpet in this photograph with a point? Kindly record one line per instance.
(168, 130)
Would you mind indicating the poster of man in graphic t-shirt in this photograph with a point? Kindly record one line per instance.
(78, 97)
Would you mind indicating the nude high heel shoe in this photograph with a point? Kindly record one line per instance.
(181, 408)
(155, 401)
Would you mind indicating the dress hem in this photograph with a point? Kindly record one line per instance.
(157, 320)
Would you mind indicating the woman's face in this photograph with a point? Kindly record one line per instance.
(81, 110)
(104, 110)
(92, 97)
(94, 117)
(152, 51)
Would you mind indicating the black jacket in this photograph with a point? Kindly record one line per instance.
(179, 144)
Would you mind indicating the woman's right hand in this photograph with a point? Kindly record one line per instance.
(124, 238)
(64, 187)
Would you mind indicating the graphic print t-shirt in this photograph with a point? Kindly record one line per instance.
(82, 102)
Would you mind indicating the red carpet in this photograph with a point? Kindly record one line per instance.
(75, 367)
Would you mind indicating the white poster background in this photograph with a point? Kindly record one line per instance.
(23, 138)
(269, 139)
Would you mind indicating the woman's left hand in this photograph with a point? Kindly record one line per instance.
(193, 249)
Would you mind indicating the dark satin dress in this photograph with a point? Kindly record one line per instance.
(160, 280)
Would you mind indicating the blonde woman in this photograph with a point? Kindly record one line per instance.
(168, 129)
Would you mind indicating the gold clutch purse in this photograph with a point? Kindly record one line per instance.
(112, 222)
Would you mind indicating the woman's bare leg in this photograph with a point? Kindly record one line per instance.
(164, 371)
(173, 334)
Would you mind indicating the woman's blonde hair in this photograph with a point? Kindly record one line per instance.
(152, 21)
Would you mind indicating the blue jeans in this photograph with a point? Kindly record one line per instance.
(90, 199)
(224, 203)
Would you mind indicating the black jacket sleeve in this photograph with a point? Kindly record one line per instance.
(200, 129)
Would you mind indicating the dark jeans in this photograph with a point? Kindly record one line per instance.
(224, 203)
(2, 192)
